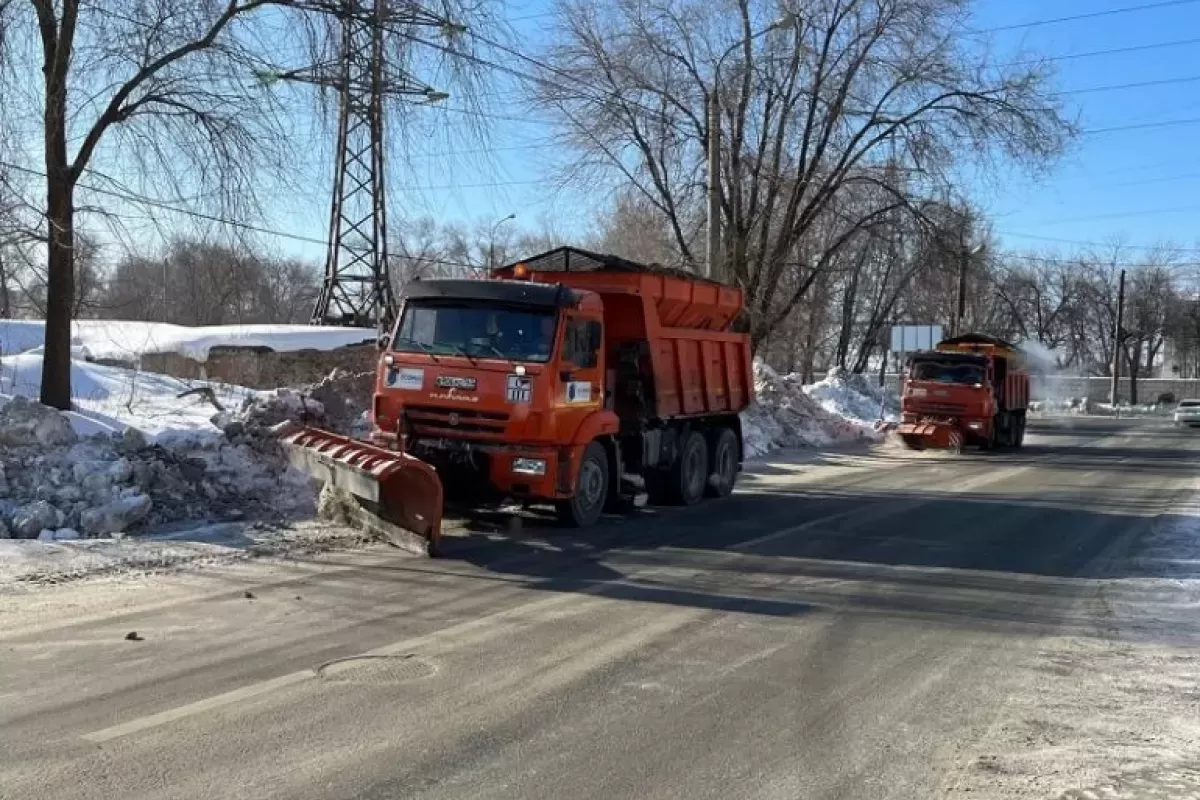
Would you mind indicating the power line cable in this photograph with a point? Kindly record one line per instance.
(1138, 126)
(1088, 15)
(153, 203)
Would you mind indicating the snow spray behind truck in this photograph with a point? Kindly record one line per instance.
(570, 378)
(969, 390)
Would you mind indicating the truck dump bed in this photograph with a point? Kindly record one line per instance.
(668, 344)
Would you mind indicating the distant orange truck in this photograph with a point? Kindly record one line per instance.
(969, 390)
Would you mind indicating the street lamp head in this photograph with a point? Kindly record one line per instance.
(434, 96)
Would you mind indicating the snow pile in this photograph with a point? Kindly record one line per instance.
(262, 414)
(111, 399)
(346, 397)
(116, 340)
(56, 485)
(854, 396)
(785, 415)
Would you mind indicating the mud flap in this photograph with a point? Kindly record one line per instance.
(399, 496)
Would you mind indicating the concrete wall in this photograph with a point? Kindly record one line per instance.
(259, 368)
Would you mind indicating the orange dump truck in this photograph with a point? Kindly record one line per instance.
(968, 390)
(571, 378)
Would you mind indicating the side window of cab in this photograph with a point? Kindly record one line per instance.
(581, 343)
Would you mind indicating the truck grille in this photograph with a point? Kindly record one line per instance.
(945, 409)
(442, 421)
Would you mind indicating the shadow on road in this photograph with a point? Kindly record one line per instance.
(1021, 556)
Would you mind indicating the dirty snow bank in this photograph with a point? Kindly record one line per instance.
(56, 485)
(854, 396)
(786, 413)
(118, 340)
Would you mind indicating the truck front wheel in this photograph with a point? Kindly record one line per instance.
(591, 490)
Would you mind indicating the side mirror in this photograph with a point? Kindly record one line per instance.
(384, 341)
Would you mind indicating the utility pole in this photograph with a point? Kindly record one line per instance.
(357, 289)
(713, 266)
(1118, 344)
(964, 256)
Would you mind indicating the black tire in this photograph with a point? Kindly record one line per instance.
(1019, 436)
(689, 474)
(913, 442)
(591, 490)
(992, 440)
(722, 468)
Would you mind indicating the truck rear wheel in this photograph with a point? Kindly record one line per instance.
(724, 464)
(591, 490)
(689, 473)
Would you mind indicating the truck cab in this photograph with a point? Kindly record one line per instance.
(494, 382)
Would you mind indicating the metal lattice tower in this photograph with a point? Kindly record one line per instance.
(357, 289)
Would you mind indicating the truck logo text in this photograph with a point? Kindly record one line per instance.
(455, 382)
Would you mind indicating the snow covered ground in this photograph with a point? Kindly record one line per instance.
(111, 399)
(139, 453)
(115, 340)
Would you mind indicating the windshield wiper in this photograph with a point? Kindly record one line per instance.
(462, 350)
(424, 347)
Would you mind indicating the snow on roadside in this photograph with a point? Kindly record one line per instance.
(111, 399)
(132, 458)
(854, 396)
(786, 414)
(32, 563)
(118, 340)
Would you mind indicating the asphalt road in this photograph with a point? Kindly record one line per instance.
(848, 625)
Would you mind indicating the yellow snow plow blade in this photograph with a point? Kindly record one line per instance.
(398, 495)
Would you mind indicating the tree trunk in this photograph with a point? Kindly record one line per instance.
(5, 292)
(60, 247)
(1133, 364)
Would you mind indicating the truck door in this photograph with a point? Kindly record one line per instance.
(582, 373)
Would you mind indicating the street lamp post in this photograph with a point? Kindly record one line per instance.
(492, 240)
(713, 267)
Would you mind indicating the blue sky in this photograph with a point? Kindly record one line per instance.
(1142, 184)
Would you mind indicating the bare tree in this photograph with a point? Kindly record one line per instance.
(197, 282)
(160, 94)
(856, 92)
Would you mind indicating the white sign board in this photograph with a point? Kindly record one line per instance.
(911, 338)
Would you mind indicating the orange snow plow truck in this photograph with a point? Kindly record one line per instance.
(571, 378)
(968, 390)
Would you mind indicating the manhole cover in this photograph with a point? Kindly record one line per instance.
(1158, 783)
(376, 669)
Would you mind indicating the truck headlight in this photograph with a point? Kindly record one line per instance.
(529, 466)
(975, 426)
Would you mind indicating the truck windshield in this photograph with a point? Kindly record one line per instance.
(476, 331)
(947, 372)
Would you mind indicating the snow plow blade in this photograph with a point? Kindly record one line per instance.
(399, 496)
(922, 435)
